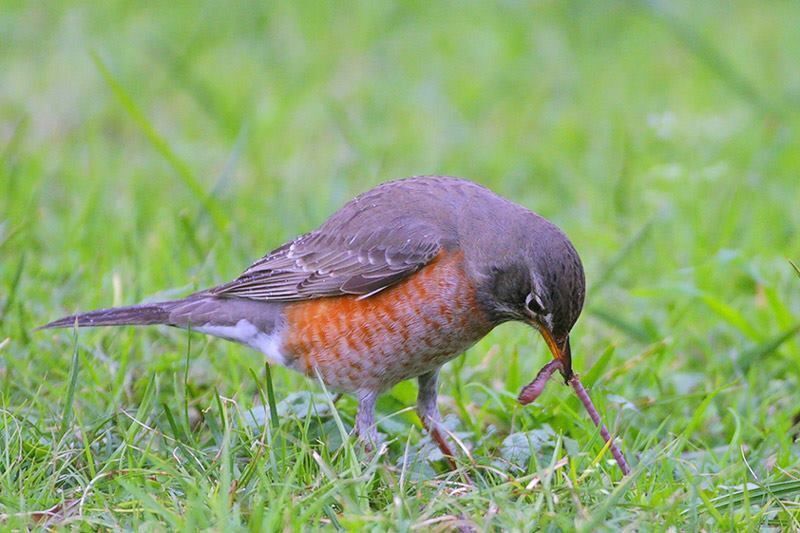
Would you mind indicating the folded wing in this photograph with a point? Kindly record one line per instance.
(327, 262)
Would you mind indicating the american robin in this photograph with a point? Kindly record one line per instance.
(402, 279)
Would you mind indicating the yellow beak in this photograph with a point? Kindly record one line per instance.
(555, 349)
(560, 349)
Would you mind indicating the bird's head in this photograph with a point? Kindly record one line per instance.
(536, 277)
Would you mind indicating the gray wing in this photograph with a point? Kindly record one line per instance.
(335, 262)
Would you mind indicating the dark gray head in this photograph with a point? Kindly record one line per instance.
(535, 276)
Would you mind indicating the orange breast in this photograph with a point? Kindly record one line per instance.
(401, 332)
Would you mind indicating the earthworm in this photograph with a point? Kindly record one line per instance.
(532, 390)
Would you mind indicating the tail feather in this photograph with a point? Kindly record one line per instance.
(248, 322)
(134, 315)
(196, 310)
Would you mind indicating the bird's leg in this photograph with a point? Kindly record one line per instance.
(428, 412)
(365, 419)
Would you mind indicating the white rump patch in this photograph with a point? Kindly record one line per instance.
(246, 333)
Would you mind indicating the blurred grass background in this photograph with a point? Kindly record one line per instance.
(147, 151)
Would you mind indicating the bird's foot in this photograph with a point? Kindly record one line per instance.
(441, 441)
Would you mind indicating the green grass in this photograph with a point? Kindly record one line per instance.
(149, 151)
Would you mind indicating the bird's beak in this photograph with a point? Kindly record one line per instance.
(561, 351)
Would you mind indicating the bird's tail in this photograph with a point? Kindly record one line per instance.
(134, 315)
(200, 310)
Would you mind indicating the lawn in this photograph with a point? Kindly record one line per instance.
(148, 151)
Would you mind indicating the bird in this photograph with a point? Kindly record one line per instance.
(400, 280)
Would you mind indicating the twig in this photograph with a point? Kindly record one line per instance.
(532, 391)
(595, 416)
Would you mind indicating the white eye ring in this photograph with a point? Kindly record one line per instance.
(534, 304)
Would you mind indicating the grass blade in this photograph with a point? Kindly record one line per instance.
(697, 418)
(138, 420)
(186, 420)
(782, 489)
(160, 144)
(620, 257)
(759, 495)
(12, 290)
(599, 514)
(748, 357)
(591, 376)
(633, 331)
(730, 315)
(66, 416)
(223, 415)
(273, 405)
(177, 433)
(703, 50)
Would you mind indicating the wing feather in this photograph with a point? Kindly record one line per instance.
(328, 262)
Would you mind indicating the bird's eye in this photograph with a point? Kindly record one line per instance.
(534, 304)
